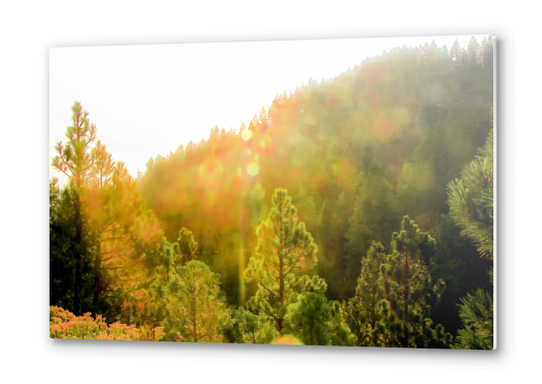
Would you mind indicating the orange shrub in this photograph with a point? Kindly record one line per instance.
(65, 325)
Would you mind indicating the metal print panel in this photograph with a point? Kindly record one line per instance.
(330, 192)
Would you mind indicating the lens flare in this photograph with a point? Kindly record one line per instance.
(246, 135)
(287, 340)
(258, 193)
(253, 169)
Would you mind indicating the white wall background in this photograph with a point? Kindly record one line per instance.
(29, 28)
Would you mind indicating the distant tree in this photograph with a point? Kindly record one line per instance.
(488, 54)
(189, 149)
(455, 51)
(332, 225)
(263, 119)
(445, 52)
(76, 160)
(214, 134)
(285, 249)
(472, 51)
(374, 218)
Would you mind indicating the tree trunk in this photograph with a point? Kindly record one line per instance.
(195, 333)
(97, 272)
(78, 257)
(281, 292)
(405, 321)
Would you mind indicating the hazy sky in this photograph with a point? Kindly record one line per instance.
(147, 100)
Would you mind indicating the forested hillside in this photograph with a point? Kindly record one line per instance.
(355, 211)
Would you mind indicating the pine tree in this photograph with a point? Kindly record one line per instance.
(62, 252)
(76, 160)
(214, 135)
(488, 54)
(374, 218)
(124, 231)
(316, 321)
(472, 51)
(455, 51)
(471, 200)
(103, 165)
(332, 224)
(98, 195)
(476, 312)
(445, 52)
(471, 206)
(285, 249)
(195, 305)
(404, 313)
(361, 310)
(253, 328)
(185, 247)
(262, 119)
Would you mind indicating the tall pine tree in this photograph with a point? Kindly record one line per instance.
(471, 206)
(285, 250)
(76, 160)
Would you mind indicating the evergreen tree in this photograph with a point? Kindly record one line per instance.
(125, 232)
(76, 160)
(103, 164)
(476, 312)
(374, 218)
(285, 249)
(361, 310)
(316, 321)
(488, 54)
(214, 135)
(263, 120)
(195, 305)
(185, 247)
(98, 192)
(332, 225)
(471, 200)
(445, 52)
(472, 51)
(455, 51)
(61, 247)
(253, 328)
(404, 313)
(471, 206)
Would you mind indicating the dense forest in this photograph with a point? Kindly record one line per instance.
(356, 211)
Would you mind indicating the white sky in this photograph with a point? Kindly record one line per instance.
(148, 99)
